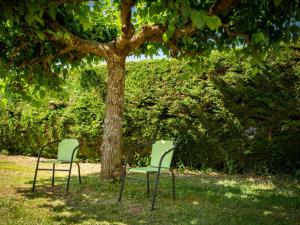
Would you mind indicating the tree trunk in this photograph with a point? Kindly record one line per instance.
(112, 133)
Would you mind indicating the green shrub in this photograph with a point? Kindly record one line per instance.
(223, 114)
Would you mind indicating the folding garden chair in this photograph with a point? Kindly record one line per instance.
(161, 158)
(67, 151)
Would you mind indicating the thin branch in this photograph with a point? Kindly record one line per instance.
(222, 6)
(67, 1)
(235, 34)
(17, 49)
(188, 30)
(173, 48)
(49, 58)
(177, 52)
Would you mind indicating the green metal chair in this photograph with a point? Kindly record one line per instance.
(67, 152)
(161, 158)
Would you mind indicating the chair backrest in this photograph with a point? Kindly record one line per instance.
(158, 149)
(66, 148)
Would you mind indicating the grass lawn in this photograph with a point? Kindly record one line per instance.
(202, 198)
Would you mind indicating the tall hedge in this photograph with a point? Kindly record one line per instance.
(223, 114)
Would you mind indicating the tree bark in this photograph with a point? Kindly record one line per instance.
(112, 134)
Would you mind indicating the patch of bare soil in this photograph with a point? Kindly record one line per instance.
(86, 168)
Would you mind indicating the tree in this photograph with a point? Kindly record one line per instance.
(44, 37)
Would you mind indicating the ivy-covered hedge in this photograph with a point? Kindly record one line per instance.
(224, 114)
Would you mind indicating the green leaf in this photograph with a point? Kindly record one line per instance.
(254, 71)
(165, 37)
(40, 34)
(66, 35)
(42, 93)
(52, 10)
(190, 40)
(187, 40)
(277, 2)
(59, 34)
(149, 46)
(171, 28)
(21, 10)
(186, 11)
(213, 22)
(29, 18)
(17, 18)
(33, 7)
(258, 38)
(36, 89)
(8, 14)
(185, 76)
(38, 19)
(169, 33)
(198, 19)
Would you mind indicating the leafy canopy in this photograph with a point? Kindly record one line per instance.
(41, 39)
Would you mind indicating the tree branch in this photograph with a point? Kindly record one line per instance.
(222, 6)
(235, 34)
(17, 49)
(147, 34)
(47, 59)
(76, 43)
(127, 26)
(154, 33)
(177, 52)
(67, 1)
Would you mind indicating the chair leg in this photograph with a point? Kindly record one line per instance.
(53, 171)
(35, 174)
(155, 190)
(79, 177)
(69, 176)
(173, 184)
(122, 186)
(148, 184)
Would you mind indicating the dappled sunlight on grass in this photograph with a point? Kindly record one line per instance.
(201, 198)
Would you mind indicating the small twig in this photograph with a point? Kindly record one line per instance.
(235, 34)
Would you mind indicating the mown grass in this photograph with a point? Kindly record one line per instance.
(203, 198)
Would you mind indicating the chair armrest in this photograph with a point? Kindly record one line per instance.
(42, 148)
(163, 156)
(74, 152)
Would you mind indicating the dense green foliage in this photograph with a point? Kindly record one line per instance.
(37, 37)
(224, 114)
(40, 39)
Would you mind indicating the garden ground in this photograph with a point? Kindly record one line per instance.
(202, 198)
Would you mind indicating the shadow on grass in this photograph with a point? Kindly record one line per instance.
(93, 200)
(201, 199)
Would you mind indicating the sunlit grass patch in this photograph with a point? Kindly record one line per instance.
(201, 198)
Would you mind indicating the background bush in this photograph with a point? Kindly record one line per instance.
(223, 113)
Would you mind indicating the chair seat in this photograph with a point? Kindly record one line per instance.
(55, 161)
(66, 153)
(161, 158)
(148, 169)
